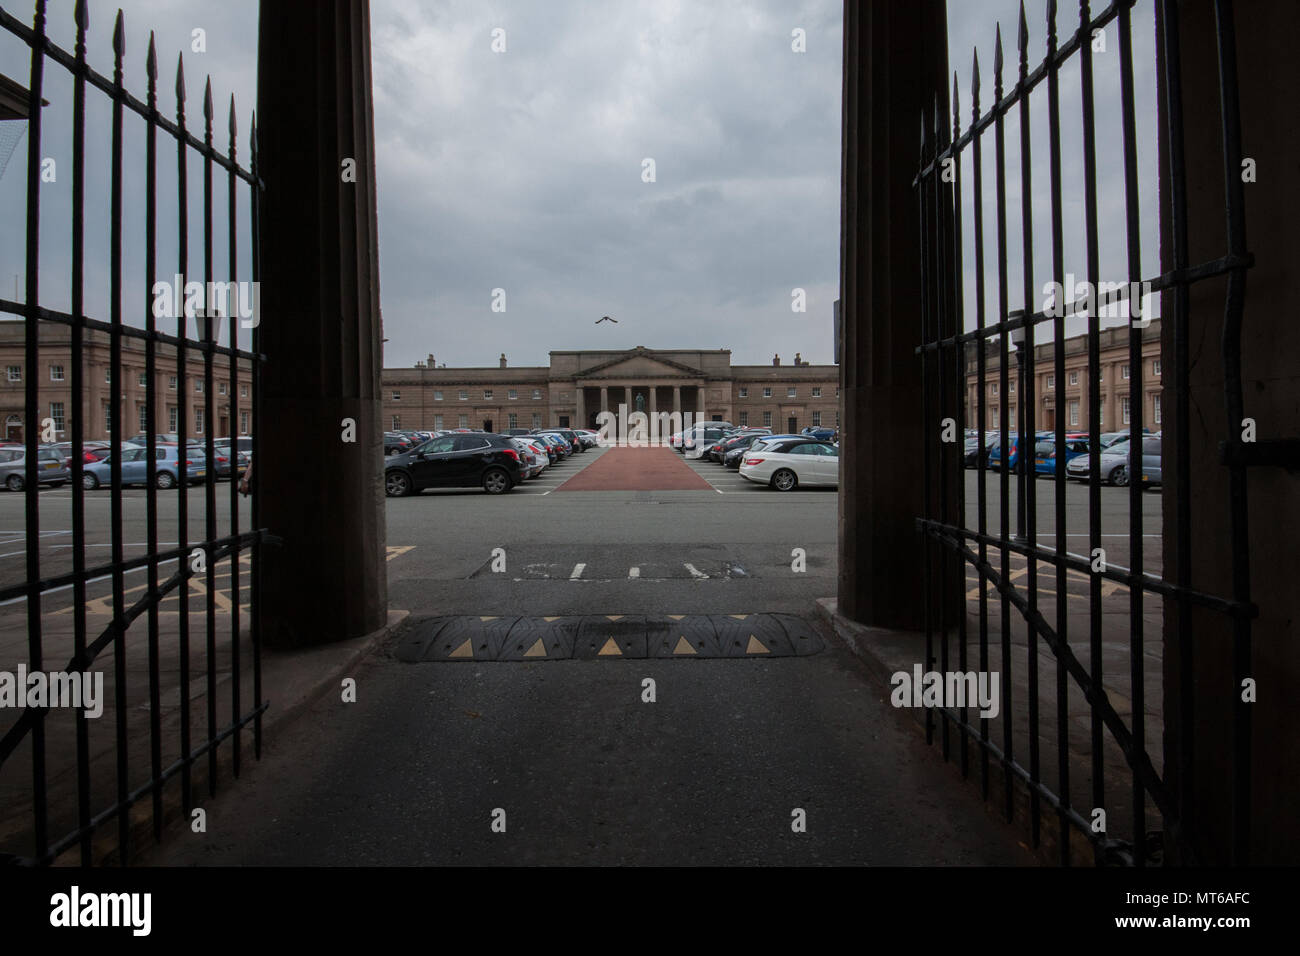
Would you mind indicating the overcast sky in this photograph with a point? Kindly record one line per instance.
(523, 170)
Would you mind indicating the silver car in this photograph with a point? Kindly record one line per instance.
(51, 468)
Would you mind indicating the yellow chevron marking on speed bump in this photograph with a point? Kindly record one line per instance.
(676, 617)
(756, 646)
(487, 618)
(548, 620)
(683, 646)
(537, 650)
(740, 617)
(394, 552)
(613, 617)
(465, 650)
(610, 648)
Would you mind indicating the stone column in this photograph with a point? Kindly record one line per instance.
(895, 59)
(699, 403)
(580, 406)
(327, 581)
(654, 415)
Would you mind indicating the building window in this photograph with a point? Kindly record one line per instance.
(397, 396)
(15, 373)
(537, 397)
(108, 418)
(108, 375)
(767, 392)
(1051, 383)
(221, 388)
(243, 422)
(513, 395)
(817, 419)
(1074, 378)
(143, 417)
(744, 418)
(1011, 413)
(512, 420)
(437, 423)
(1101, 412)
(198, 385)
(243, 391)
(1123, 371)
(767, 418)
(993, 389)
(487, 393)
(198, 421)
(171, 382)
(1101, 376)
(56, 413)
(537, 419)
(993, 417)
(1123, 410)
(173, 418)
(144, 380)
(437, 395)
(744, 392)
(397, 422)
(817, 391)
(464, 422)
(790, 392)
(1155, 408)
(464, 395)
(1074, 413)
(56, 373)
(1155, 370)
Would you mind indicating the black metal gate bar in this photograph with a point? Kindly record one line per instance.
(78, 426)
(31, 398)
(182, 417)
(1004, 422)
(1145, 781)
(959, 403)
(209, 326)
(254, 594)
(1058, 355)
(31, 723)
(1027, 448)
(233, 433)
(1137, 677)
(928, 282)
(940, 302)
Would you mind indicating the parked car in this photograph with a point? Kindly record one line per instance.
(1048, 457)
(456, 461)
(50, 467)
(694, 442)
(557, 444)
(536, 460)
(575, 444)
(395, 444)
(169, 464)
(1115, 465)
(788, 464)
(821, 434)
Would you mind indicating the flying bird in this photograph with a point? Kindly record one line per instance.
(606, 319)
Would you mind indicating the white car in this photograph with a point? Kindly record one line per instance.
(788, 464)
(534, 457)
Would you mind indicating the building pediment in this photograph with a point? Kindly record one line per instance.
(641, 365)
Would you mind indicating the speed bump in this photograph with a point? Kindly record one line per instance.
(611, 637)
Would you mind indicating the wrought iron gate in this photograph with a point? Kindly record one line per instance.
(57, 821)
(948, 354)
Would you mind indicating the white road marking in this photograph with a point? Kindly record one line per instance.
(634, 572)
(695, 572)
(577, 571)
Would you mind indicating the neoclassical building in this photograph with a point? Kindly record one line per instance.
(578, 385)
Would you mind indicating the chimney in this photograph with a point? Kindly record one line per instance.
(430, 362)
(503, 359)
(797, 359)
(776, 359)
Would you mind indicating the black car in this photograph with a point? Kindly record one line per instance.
(455, 461)
(575, 443)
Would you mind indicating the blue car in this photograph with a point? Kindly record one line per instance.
(821, 434)
(169, 467)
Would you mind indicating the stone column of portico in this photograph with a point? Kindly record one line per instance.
(579, 406)
(677, 402)
(699, 403)
(654, 414)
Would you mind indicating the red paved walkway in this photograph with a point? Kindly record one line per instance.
(637, 469)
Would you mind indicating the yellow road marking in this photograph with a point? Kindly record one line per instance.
(610, 648)
(465, 650)
(756, 646)
(683, 646)
(676, 617)
(394, 552)
(537, 650)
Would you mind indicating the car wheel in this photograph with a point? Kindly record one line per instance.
(496, 481)
(785, 480)
(164, 480)
(89, 481)
(14, 483)
(1119, 476)
(397, 484)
